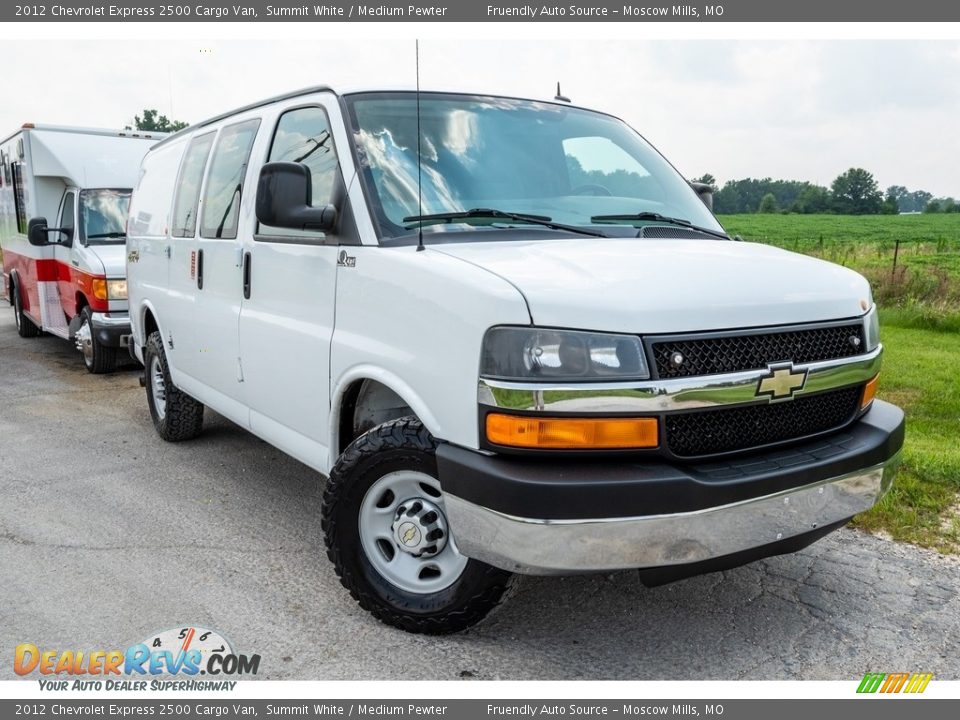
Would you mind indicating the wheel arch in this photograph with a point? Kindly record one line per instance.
(368, 396)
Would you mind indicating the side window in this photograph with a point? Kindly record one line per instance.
(303, 136)
(68, 214)
(20, 202)
(188, 186)
(221, 195)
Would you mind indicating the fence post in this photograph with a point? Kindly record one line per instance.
(896, 252)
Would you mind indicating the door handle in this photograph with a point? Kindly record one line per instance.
(199, 269)
(247, 261)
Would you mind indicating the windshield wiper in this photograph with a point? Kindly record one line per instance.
(500, 215)
(99, 236)
(657, 217)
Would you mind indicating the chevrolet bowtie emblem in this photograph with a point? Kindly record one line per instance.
(781, 382)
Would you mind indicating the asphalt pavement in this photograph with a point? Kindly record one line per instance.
(108, 534)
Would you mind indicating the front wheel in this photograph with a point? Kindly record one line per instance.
(389, 540)
(97, 357)
(176, 415)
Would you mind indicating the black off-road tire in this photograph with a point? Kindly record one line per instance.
(182, 416)
(104, 359)
(25, 326)
(402, 444)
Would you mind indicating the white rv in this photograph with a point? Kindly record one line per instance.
(511, 334)
(68, 278)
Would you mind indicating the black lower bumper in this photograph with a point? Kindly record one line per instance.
(111, 330)
(575, 488)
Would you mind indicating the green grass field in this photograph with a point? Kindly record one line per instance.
(920, 314)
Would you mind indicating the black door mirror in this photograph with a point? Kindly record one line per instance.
(37, 231)
(39, 234)
(704, 192)
(284, 194)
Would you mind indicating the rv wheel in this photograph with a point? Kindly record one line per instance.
(176, 415)
(25, 326)
(388, 537)
(97, 357)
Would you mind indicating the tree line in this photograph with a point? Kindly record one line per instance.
(854, 192)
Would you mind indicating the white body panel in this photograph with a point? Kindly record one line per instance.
(668, 286)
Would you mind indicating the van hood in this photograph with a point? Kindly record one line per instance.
(113, 258)
(667, 286)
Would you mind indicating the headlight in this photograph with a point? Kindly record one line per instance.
(523, 353)
(871, 329)
(117, 289)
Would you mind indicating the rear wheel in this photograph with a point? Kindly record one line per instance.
(97, 357)
(389, 540)
(176, 415)
(25, 326)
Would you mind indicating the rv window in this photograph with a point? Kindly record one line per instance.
(18, 199)
(188, 186)
(303, 136)
(221, 194)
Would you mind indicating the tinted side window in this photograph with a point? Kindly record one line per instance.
(221, 195)
(303, 136)
(188, 186)
(67, 214)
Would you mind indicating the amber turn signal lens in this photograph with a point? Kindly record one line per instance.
(869, 391)
(99, 288)
(571, 433)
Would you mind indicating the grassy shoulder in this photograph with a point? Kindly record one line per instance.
(920, 374)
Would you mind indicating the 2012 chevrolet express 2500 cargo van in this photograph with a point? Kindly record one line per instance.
(574, 370)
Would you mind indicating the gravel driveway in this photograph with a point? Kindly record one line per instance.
(108, 534)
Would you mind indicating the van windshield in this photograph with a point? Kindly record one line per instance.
(571, 166)
(103, 216)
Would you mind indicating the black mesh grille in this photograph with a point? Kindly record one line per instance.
(711, 432)
(671, 232)
(735, 353)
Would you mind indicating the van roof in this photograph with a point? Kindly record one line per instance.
(348, 91)
(138, 134)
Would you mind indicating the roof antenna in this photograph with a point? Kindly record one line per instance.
(559, 97)
(419, 161)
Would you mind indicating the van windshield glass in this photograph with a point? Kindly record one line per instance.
(103, 216)
(571, 166)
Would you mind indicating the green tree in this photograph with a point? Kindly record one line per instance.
(151, 121)
(932, 207)
(856, 192)
(950, 206)
(812, 199)
(706, 179)
(891, 206)
(768, 204)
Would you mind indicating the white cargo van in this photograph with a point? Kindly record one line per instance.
(68, 280)
(516, 341)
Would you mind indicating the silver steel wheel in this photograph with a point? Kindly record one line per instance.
(84, 341)
(405, 535)
(158, 388)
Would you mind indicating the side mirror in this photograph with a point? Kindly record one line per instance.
(284, 194)
(37, 231)
(705, 192)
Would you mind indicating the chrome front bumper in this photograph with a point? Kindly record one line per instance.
(536, 546)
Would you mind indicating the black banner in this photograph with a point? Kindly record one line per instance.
(482, 11)
(421, 709)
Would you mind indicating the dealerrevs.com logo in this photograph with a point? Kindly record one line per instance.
(185, 652)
